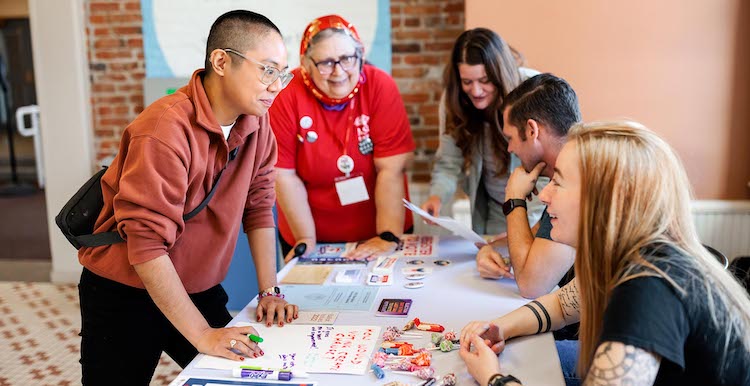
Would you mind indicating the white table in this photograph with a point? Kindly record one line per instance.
(453, 295)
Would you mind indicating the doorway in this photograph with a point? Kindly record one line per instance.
(24, 227)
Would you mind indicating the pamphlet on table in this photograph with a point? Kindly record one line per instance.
(448, 223)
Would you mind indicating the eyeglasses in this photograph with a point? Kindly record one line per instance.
(326, 67)
(270, 74)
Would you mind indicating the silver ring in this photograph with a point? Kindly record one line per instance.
(232, 343)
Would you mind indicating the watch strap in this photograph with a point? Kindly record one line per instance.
(513, 203)
(389, 236)
(501, 380)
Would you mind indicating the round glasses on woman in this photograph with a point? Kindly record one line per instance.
(326, 67)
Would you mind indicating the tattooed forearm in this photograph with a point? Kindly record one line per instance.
(568, 297)
(616, 363)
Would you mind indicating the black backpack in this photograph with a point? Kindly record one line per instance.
(78, 216)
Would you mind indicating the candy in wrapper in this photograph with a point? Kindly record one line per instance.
(425, 373)
(422, 359)
(446, 345)
(448, 380)
(406, 349)
(430, 327)
(436, 338)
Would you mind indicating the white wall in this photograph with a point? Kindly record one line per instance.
(62, 89)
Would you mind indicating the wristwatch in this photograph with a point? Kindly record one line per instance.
(511, 204)
(500, 380)
(271, 291)
(389, 236)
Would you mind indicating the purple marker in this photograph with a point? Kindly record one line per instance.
(262, 374)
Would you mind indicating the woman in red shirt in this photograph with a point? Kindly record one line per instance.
(344, 141)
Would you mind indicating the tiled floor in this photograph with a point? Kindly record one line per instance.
(39, 326)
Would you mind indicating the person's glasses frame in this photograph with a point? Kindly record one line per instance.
(269, 74)
(327, 66)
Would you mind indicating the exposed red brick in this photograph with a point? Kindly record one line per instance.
(422, 59)
(412, 22)
(412, 35)
(406, 47)
(133, 6)
(128, 30)
(415, 98)
(421, 9)
(439, 47)
(102, 7)
(409, 72)
(108, 43)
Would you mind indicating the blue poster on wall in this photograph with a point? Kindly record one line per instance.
(175, 31)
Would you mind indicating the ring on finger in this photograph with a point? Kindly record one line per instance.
(232, 343)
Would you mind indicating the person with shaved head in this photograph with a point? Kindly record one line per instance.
(159, 290)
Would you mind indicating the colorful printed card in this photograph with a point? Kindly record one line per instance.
(394, 307)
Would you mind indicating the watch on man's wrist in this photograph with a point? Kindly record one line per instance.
(389, 236)
(513, 203)
(500, 380)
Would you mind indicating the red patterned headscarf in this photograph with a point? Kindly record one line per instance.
(312, 29)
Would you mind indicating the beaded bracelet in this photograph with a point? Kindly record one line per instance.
(264, 294)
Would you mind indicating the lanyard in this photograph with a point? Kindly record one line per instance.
(344, 163)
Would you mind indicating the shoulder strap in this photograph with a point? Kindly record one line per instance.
(99, 239)
(204, 203)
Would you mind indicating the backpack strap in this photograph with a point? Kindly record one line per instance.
(99, 239)
(204, 203)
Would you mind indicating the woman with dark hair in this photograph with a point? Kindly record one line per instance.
(481, 72)
(655, 306)
(344, 141)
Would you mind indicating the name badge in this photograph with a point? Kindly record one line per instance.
(351, 190)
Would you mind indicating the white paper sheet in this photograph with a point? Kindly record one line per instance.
(307, 348)
(448, 223)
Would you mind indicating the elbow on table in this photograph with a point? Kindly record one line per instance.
(530, 290)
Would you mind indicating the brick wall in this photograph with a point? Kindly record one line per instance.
(423, 32)
(115, 51)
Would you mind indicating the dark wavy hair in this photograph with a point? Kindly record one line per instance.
(465, 123)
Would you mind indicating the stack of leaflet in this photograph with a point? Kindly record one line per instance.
(331, 254)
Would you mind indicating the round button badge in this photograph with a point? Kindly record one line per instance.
(345, 164)
(305, 122)
(414, 284)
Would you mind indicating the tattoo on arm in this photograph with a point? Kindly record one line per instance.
(616, 363)
(569, 302)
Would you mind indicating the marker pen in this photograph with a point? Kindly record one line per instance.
(262, 374)
(297, 373)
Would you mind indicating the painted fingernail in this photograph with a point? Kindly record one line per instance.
(262, 353)
(242, 358)
(259, 318)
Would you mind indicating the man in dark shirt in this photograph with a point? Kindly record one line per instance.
(536, 117)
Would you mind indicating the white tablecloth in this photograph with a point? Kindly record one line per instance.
(453, 295)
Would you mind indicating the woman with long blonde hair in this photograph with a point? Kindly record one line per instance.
(655, 306)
